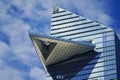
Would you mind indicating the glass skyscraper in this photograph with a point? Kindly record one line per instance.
(78, 48)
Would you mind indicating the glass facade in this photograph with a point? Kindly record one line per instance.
(99, 64)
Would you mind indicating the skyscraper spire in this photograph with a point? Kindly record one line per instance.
(55, 9)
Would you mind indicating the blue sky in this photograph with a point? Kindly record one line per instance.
(18, 59)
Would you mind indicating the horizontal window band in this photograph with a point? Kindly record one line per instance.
(89, 64)
(58, 12)
(104, 56)
(96, 67)
(90, 73)
(94, 72)
(69, 74)
(103, 52)
(93, 78)
(65, 19)
(62, 15)
(100, 76)
(105, 47)
(81, 32)
(84, 69)
(89, 56)
(105, 41)
(96, 58)
(84, 58)
(103, 76)
(75, 29)
(90, 34)
(68, 22)
(73, 26)
(106, 35)
(102, 36)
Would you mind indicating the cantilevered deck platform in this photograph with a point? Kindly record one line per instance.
(52, 50)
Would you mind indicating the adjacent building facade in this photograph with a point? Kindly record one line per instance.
(78, 48)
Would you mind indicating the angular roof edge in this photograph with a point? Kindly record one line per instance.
(65, 40)
(58, 8)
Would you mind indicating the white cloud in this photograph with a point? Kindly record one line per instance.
(9, 73)
(35, 9)
(20, 43)
(94, 10)
(37, 74)
(21, 46)
(4, 49)
(4, 19)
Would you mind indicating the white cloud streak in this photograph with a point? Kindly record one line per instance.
(37, 74)
(9, 73)
(4, 48)
(19, 41)
(94, 10)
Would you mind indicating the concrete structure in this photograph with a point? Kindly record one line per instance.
(78, 48)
